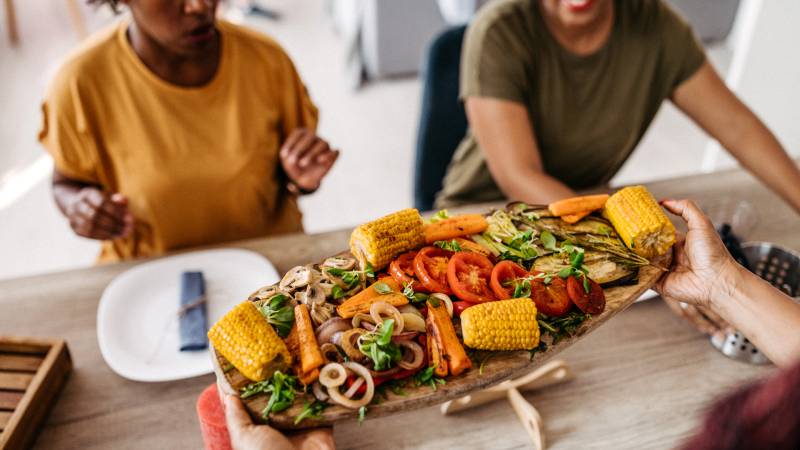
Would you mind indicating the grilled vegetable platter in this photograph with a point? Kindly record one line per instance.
(422, 311)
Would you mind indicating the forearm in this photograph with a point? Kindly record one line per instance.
(531, 186)
(768, 318)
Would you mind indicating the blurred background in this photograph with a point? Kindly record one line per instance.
(361, 60)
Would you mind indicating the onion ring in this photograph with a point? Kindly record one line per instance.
(354, 388)
(362, 371)
(349, 339)
(413, 322)
(327, 329)
(327, 349)
(332, 375)
(382, 307)
(361, 318)
(416, 349)
(320, 395)
(336, 339)
(447, 302)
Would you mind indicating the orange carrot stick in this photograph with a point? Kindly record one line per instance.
(577, 205)
(310, 355)
(454, 227)
(361, 302)
(575, 218)
(445, 333)
(435, 356)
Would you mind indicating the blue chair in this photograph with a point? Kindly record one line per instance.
(443, 122)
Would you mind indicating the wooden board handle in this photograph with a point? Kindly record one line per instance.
(529, 417)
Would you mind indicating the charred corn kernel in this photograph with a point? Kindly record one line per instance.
(640, 221)
(501, 325)
(245, 338)
(380, 241)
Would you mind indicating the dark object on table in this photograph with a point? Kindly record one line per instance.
(443, 122)
(32, 373)
(734, 245)
(193, 317)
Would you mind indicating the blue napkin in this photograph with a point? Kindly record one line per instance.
(193, 319)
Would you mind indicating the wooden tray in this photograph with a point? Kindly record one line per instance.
(499, 367)
(32, 373)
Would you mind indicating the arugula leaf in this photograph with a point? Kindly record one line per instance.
(369, 271)
(560, 327)
(548, 240)
(439, 216)
(279, 314)
(362, 412)
(448, 245)
(522, 288)
(415, 298)
(337, 292)
(311, 411)
(382, 288)
(426, 377)
(378, 346)
(280, 386)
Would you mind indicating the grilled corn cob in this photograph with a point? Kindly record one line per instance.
(245, 338)
(380, 241)
(501, 325)
(640, 222)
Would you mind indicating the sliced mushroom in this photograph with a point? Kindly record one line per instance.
(312, 295)
(265, 293)
(326, 286)
(321, 313)
(296, 278)
(340, 262)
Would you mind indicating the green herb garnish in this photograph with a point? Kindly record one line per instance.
(426, 377)
(448, 245)
(439, 216)
(415, 298)
(541, 348)
(382, 288)
(281, 389)
(362, 413)
(279, 313)
(560, 327)
(337, 292)
(548, 240)
(311, 411)
(378, 346)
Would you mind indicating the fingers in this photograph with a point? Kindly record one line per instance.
(318, 149)
(290, 142)
(690, 213)
(299, 143)
(95, 215)
(235, 415)
(317, 439)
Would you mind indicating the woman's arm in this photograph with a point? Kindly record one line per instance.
(504, 133)
(91, 212)
(708, 101)
(705, 275)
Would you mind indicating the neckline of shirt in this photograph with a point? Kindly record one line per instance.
(572, 56)
(212, 85)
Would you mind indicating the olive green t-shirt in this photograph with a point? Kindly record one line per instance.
(588, 112)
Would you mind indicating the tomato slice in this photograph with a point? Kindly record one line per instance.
(402, 270)
(551, 299)
(430, 266)
(503, 276)
(469, 274)
(592, 302)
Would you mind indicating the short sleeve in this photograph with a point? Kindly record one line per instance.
(64, 133)
(682, 53)
(492, 64)
(300, 111)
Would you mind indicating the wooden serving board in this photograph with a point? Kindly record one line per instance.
(32, 372)
(499, 367)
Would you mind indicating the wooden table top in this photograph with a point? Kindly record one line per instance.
(642, 380)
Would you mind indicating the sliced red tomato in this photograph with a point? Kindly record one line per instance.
(459, 307)
(592, 302)
(469, 274)
(402, 270)
(430, 267)
(503, 276)
(551, 299)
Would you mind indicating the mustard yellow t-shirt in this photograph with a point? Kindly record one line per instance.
(199, 165)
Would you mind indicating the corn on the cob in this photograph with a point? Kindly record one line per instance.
(640, 221)
(245, 338)
(501, 325)
(380, 241)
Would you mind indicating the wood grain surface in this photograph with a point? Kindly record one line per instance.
(642, 381)
(501, 366)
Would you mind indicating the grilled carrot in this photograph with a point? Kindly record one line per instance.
(435, 357)
(361, 302)
(310, 355)
(293, 344)
(445, 333)
(575, 218)
(454, 227)
(576, 205)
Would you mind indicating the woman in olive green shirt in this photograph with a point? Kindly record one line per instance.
(559, 92)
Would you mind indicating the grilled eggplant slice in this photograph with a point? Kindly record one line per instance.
(601, 266)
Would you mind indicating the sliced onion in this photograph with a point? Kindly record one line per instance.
(410, 309)
(362, 371)
(360, 319)
(354, 388)
(327, 329)
(332, 375)
(416, 351)
(349, 342)
(319, 393)
(413, 322)
(336, 339)
(447, 302)
(327, 349)
(384, 308)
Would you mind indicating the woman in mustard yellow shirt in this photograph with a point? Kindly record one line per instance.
(173, 130)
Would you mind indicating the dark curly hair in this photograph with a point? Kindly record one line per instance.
(113, 4)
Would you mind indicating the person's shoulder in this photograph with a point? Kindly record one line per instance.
(501, 20)
(91, 58)
(252, 43)
(651, 16)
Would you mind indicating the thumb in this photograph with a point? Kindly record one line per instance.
(235, 414)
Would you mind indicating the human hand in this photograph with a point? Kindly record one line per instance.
(247, 436)
(306, 159)
(95, 214)
(701, 271)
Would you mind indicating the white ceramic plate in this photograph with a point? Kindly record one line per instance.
(137, 321)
